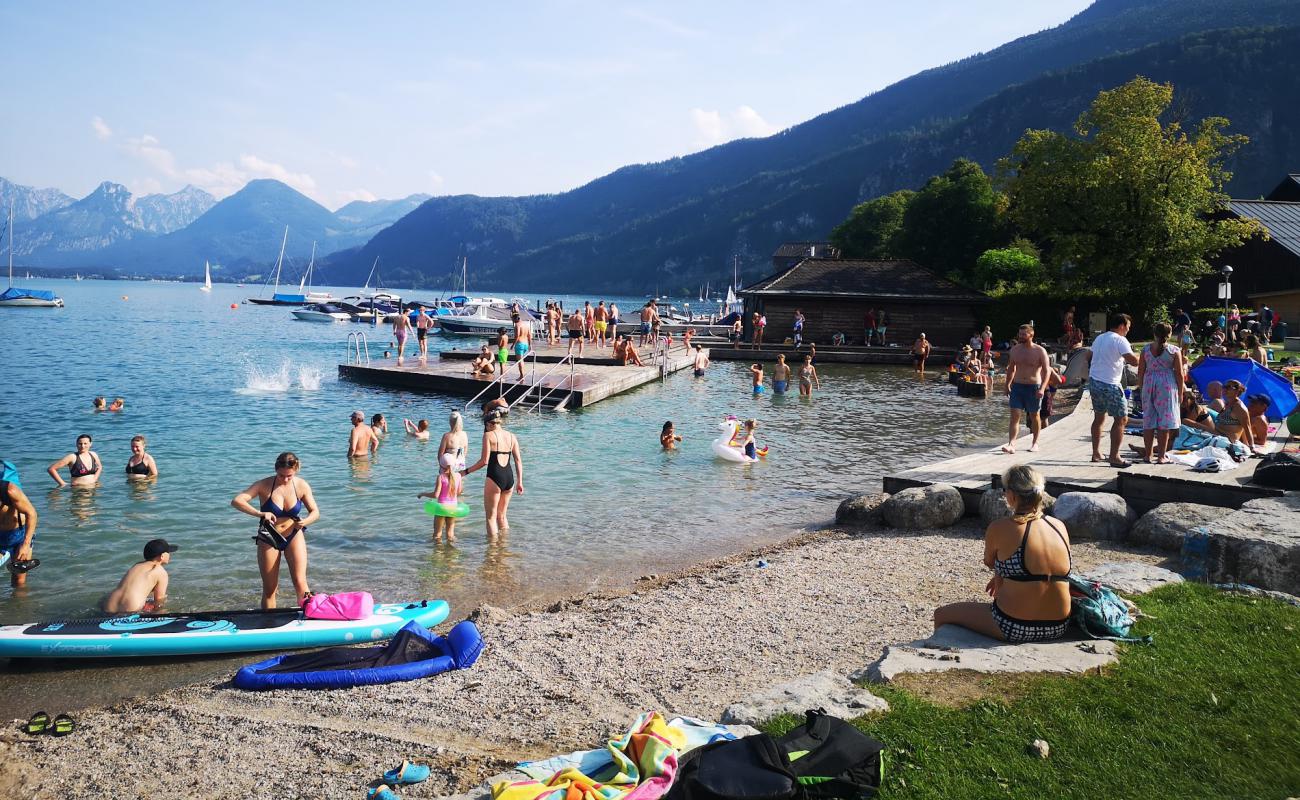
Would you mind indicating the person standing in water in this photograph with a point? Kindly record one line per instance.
(283, 498)
(780, 375)
(140, 464)
(401, 327)
(455, 441)
(756, 373)
(144, 578)
(701, 362)
(83, 466)
(446, 491)
(524, 341)
(668, 437)
(920, 352)
(363, 440)
(807, 377)
(18, 520)
(379, 425)
(419, 430)
(500, 451)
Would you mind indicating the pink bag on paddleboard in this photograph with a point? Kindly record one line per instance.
(344, 605)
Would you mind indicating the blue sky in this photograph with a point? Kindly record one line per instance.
(348, 101)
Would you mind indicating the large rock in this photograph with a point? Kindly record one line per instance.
(1258, 544)
(938, 505)
(1129, 577)
(952, 648)
(1166, 525)
(993, 505)
(826, 690)
(860, 510)
(1095, 515)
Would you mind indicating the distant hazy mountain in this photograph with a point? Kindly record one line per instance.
(164, 213)
(102, 218)
(368, 217)
(29, 202)
(678, 222)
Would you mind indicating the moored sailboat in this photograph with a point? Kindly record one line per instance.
(15, 297)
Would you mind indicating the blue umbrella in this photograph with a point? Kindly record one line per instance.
(1257, 380)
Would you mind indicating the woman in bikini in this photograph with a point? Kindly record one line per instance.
(140, 464)
(282, 527)
(1029, 554)
(500, 450)
(808, 376)
(83, 466)
(455, 441)
(1233, 421)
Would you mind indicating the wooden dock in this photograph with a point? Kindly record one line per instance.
(589, 380)
(1064, 459)
(939, 358)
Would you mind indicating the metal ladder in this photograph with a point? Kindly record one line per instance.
(358, 348)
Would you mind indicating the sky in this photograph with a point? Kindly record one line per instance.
(357, 101)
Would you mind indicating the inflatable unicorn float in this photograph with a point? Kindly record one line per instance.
(730, 446)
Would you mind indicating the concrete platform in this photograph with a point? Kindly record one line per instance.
(955, 648)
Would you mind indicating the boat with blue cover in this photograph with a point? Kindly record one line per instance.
(15, 297)
(185, 634)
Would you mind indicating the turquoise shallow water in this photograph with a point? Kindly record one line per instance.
(220, 391)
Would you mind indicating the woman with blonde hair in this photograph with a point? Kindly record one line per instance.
(1029, 554)
(455, 441)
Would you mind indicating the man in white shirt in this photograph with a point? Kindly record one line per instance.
(1110, 352)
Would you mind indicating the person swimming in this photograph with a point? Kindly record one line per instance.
(668, 438)
(419, 430)
(117, 405)
(284, 497)
(140, 464)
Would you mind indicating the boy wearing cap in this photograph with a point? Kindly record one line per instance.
(141, 580)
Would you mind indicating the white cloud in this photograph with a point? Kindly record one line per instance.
(346, 196)
(435, 179)
(143, 186)
(664, 24)
(715, 127)
(100, 127)
(221, 179)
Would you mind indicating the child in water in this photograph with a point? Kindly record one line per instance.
(447, 492)
(668, 438)
(419, 430)
(141, 580)
(379, 425)
(117, 405)
(756, 371)
(751, 450)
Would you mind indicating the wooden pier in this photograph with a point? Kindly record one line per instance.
(588, 380)
(1063, 458)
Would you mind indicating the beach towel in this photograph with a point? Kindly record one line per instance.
(1200, 459)
(684, 733)
(641, 766)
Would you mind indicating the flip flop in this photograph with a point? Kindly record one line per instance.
(19, 567)
(63, 725)
(407, 773)
(380, 792)
(39, 723)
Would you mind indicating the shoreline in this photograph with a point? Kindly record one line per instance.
(555, 675)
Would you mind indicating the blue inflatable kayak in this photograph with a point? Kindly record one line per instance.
(208, 632)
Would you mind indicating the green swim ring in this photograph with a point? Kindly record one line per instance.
(435, 509)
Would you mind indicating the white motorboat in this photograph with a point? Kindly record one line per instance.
(483, 316)
(14, 297)
(322, 312)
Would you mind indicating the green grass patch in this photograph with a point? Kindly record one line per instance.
(1211, 709)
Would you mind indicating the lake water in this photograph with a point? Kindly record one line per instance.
(219, 391)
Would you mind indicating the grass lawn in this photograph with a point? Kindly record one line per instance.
(1211, 709)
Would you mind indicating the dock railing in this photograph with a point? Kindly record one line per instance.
(498, 382)
(358, 346)
(533, 388)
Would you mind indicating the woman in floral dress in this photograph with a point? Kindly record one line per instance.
(1160, 374)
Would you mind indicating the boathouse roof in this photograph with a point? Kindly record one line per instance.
(833, 277)
(1281, 219)
(1288, 190)
(807, 250)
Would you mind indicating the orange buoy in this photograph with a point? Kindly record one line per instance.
(234, 305)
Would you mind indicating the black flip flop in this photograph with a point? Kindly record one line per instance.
(63, 725)
(38, 724)
(21, 567)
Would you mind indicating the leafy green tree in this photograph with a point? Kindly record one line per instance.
(1126, 206)
(1008, 267)
(871, 227)
(952, 220)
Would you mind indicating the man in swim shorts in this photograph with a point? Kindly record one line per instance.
(647, 314)
(756, 372)
(523, 341)
(575, 331)
(920, 352)
(1027, 373)
(423, 323)
(701, 362)
(601, 316)
(363, 440)
(780, 375)
(17, 529)
(503, 350)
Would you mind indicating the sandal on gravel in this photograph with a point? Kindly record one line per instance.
(380, 792)
(63, 725)
(407, 773)
(38, 724)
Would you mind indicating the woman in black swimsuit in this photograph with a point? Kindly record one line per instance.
(140, 464)
(500, 450)
(83, 466)
(1029, 554)
(284, 497)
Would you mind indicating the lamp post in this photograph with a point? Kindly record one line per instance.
(1226, 288)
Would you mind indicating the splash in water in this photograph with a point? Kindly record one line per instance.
(257, 379)
(309, 378)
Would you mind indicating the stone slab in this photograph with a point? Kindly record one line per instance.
(1258, 544)
(1128, 577)
(826, 690)
(1166, 525)
(956, 648)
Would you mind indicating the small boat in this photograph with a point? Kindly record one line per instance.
(954, 377)
(973, 389)
(322, 312)
(483, 316)
(207, 278)
(279, 298)
(14, 297)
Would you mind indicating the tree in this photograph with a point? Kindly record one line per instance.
(952, 220)
(1017, 266)
(1128, 206)
(871, 227)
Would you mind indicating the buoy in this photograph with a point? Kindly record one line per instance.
(234, 305)
(123, 297)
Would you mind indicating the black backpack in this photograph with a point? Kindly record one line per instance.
(832, 759)
(752, 768)
(1278, 470)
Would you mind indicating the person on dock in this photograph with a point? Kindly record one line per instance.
(647, 313)
(140, 464)
(282, 498)
(401, 327)
(483, 364)
(455, 441)
(687, 335)
(423, 323)
(1029, 554)
(420, 430)
(920, 352)
(362, 442)
(668, 437)
(575, 332)
(625, 354)
(1110, 352)
(807, 377)
(500, 452)
(589, 320)
(780, 375)
(756, 373)
(18, 519)
(503, 350)
(1160, 374)
(612, 331)
(701, 362)
(523, 341)
(882, 325)
(798, 327)
(601, 322)
(868, 327)
(1027, 374)
(84, 466)
(736, 333)
(760, 322)
(144, 586)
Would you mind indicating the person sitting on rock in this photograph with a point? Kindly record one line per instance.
(1029, 554)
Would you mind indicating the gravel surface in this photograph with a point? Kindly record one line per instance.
(550, 680)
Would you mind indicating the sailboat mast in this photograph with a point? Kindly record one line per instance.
(11, 247)
(306, 276)
(280, 260)
(464, 275)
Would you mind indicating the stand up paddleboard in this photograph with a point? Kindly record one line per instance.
(208, 632)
